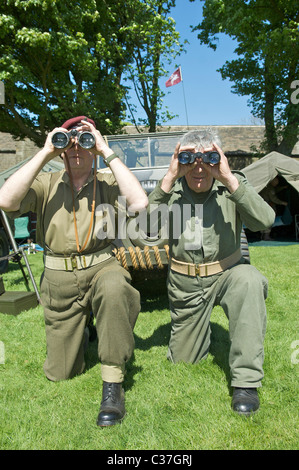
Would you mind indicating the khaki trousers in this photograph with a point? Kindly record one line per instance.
(241, 292)
(68, 298)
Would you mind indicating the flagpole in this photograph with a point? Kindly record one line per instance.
(184, 98)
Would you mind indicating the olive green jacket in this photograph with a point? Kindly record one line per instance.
(206, 227)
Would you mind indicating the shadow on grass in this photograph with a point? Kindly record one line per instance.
(219, 349)
(160, 337)
(92, 360)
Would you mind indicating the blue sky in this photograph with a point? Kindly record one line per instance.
(209, 99)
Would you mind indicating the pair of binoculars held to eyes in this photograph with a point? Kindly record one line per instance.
(207, 157)
(61, 139)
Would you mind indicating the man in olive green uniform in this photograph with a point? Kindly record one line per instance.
(81, 274)
(206, 266)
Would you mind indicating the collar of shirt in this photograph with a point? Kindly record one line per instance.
(66, 178)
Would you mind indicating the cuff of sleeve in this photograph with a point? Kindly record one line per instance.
(239, 193)
(109, 159)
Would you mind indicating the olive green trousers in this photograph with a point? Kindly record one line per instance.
(68, 297)
(241, 292)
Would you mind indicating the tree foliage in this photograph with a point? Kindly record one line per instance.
(267, 34)
(158, 42)
(60, 58)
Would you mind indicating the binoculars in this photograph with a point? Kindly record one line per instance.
(207, 157)
(61, 139)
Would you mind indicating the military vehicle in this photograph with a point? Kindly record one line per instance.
(148, 156)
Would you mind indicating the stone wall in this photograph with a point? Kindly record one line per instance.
(233, 138)
(14, 151)
(238, 142)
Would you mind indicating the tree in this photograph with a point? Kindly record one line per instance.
(158, 43)
(268, 48)
(60, 58)
(52, 69)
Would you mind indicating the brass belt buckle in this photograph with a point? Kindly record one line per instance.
(74, 262)
(197, 270)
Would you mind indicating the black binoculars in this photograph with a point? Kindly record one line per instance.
(207, 157)
(61, 139)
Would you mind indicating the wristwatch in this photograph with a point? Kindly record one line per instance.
(109, 159)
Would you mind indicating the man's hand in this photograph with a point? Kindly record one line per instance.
(49, 150)
(100, 147)
(175, 170)
(222, 171)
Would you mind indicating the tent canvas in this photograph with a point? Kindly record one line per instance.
(261, 172)
(53, 165)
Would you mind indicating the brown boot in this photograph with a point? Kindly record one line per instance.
(112, 409)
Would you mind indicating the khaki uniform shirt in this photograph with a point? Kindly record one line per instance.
(215, 220)
(50, 197)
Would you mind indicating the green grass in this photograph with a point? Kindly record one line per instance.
(169, 406)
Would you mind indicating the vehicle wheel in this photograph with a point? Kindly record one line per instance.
(143, 239)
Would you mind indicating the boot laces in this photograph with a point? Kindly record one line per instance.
(111, 393)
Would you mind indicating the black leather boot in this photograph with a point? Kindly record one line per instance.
(245, 401)
(112, 409)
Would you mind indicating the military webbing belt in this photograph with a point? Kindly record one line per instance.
(207, 269)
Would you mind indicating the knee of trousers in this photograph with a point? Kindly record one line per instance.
(246, 279)
(116, 299)
(112, 283)
(115, 287)
(242, 296)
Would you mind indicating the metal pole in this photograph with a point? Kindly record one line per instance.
(30, 274)
(184, 99)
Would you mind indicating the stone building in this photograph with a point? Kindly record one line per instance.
(14, 151)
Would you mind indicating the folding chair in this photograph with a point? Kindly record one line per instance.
(21, 229)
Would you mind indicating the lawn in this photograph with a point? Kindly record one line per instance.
(169, 407)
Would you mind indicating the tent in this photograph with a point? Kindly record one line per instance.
(53, 165)
(275, 164)
(261, 172)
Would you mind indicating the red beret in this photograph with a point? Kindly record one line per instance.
(76, 120)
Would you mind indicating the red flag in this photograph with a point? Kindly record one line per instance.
(175, 78)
